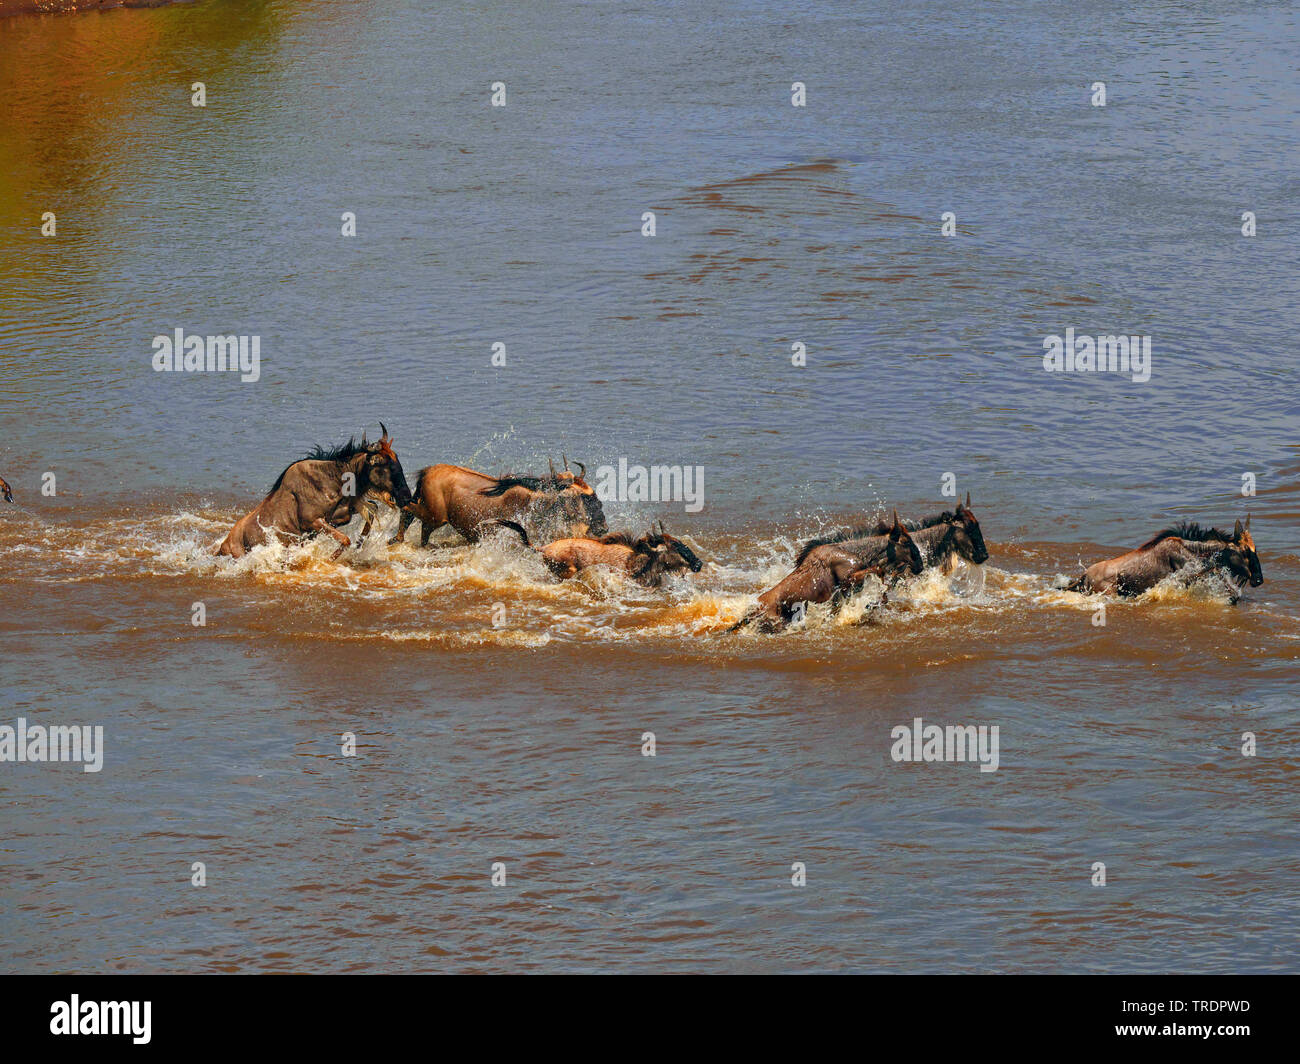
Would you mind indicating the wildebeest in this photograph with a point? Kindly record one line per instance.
(831, 571)
(322, 493)
(1187, 549)
(942, 537)
(6, 490)
(560, 504)
(646, 560)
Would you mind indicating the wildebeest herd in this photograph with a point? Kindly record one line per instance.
(560, 516)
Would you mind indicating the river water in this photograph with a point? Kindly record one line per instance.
(499, 715)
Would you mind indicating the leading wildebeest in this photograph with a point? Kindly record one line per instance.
(322, 492)
(561, 504)
(646, 560)
(831, 571)
(942, 537)
(1187, 549)
(5, 490)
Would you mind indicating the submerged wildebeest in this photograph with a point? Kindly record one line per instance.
(942, 538)
(832, 570)
(322, 493)
(1189, 550)
(561, 504)
(646, 560)
(5, 490)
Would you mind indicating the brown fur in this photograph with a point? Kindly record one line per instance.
(308, 498)
(830, 571)
(468, 501)
(1189, 550)
(942, 537)
(645, 560)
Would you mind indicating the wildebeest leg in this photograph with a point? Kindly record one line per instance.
(404, 520)
(846, 588)
(839, 596)
(887, 580)
(770, 612)
(771, 618)
(1189, 568)
(321, 525)
(370, 509)
(1189, 573)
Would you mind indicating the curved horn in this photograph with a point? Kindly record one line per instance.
(897, 522)
(384, 429)
(565, 458)
(583, 468)
(551, 463)
(968, 500)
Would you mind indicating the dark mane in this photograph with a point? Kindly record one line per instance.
(647, 545)
(622, 539)
(925, 522)
(880, 528)
(1187, 530)
(341, 453)
(641, 544)
(512, 480)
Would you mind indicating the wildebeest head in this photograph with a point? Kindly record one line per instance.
(966, 535)
(562, 505)
(1240, 558)
(570, 502)
(663, 554)
(903, 550)
(6, 490)
(384, 476)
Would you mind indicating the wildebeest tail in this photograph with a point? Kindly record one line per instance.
(514, 526)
